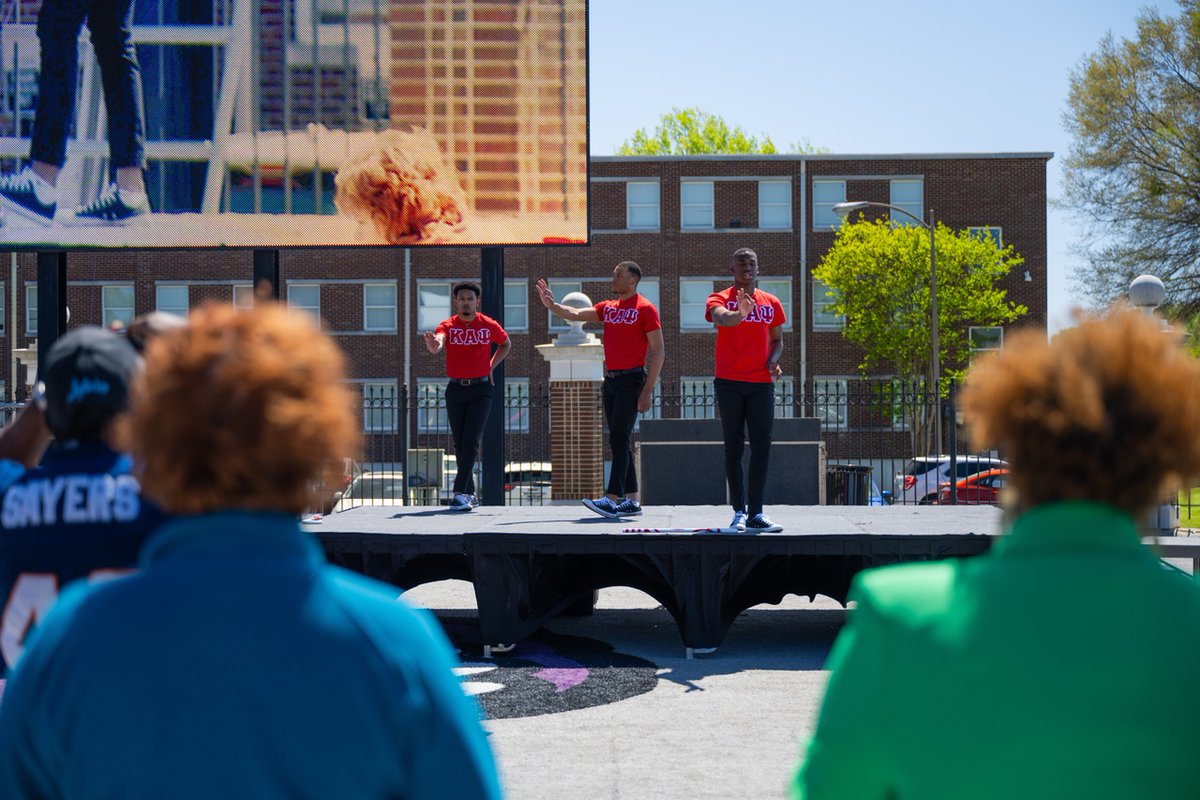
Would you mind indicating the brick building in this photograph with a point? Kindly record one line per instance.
(680, 218)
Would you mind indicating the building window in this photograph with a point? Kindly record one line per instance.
(430, 406)
(696, 399)
(909, 195)
(433, 304)
(516, 305)
(560, 289)
(243, 296)
(117, 304)
(830, 402)
(641, 205)
(781, 288)
(696, 205)
(516, 405)
(822, 301)
(380, 407)
(985, 340)
(306, 297)
(825, 194)
(988, 233)
(31, 310)
(775, 205)
(649, 289)
(785, 396)
(379, 306)
(171, 299)
(693, 299)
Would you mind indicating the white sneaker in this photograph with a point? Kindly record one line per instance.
(739, 521)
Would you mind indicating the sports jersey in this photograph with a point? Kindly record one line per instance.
(626, 324)
(469, 345)
(79, 514)
(742, 349)
(237, 663)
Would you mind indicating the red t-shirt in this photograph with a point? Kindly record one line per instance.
(742, 349)
(626, 325)
(469, 345)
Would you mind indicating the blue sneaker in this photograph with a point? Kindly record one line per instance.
(760, 523)
(604, 507)
(461, 502)
(21, 193)
(112, 207)
(629, 508)
(738, 525)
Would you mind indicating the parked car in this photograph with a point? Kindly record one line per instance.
(384, 489)
(922, 479)
(878, 498)
(982, 488)
(527, 483)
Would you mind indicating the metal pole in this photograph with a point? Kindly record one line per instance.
(492, 282)
(937, 356)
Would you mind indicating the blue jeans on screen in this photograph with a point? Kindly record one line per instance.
(111, 25)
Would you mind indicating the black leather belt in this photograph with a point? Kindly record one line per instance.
(468, 381)
(616, 373)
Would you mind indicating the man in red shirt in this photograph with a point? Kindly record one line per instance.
(749, 326)
(467, 338)
(633, 359)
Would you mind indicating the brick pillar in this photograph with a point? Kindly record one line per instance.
(576, 439)
(576, 411)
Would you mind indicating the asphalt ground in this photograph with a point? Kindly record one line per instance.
(607, 705)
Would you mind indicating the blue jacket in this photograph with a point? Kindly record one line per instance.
(237, 663)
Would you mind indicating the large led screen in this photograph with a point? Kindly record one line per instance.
(281, 123)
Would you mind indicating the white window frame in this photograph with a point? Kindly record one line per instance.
(560, 288)
(691, 388)
(518, 288)
(516, 405)
(431, 390)
(822, 319)
(823, 217)
(243, 296)
(172, 306)
(916, 207)
(427, 312)
(111, 311)
(993, 233)
(691, 314)
(31, 309)
(379, 416)
(306, 307)
(781, 288)
(823, 389)
(981, 330)
(638, 206)
(385, 309)
(697, 212)
(781, 208)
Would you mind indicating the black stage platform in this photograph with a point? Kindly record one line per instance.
(530, 564)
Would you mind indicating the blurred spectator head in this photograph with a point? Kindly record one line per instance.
(241, 409)
(1107, 411)
(84, 383)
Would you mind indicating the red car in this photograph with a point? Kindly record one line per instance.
(982, 488)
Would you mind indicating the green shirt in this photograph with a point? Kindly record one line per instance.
(1061, 664)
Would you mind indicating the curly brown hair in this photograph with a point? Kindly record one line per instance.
(1107, 411)
(241, 409)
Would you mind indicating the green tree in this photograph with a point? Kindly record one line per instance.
(1132, 174)
(692, 131)
(878, 276)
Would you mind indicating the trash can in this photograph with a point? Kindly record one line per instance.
(847, 484)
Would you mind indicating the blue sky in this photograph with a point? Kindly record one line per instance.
(938, 76)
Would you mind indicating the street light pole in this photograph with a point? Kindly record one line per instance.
(844, 209)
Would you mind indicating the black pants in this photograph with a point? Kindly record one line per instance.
(620, 412)
(111, 25)
(746, 407)
(467, 409)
